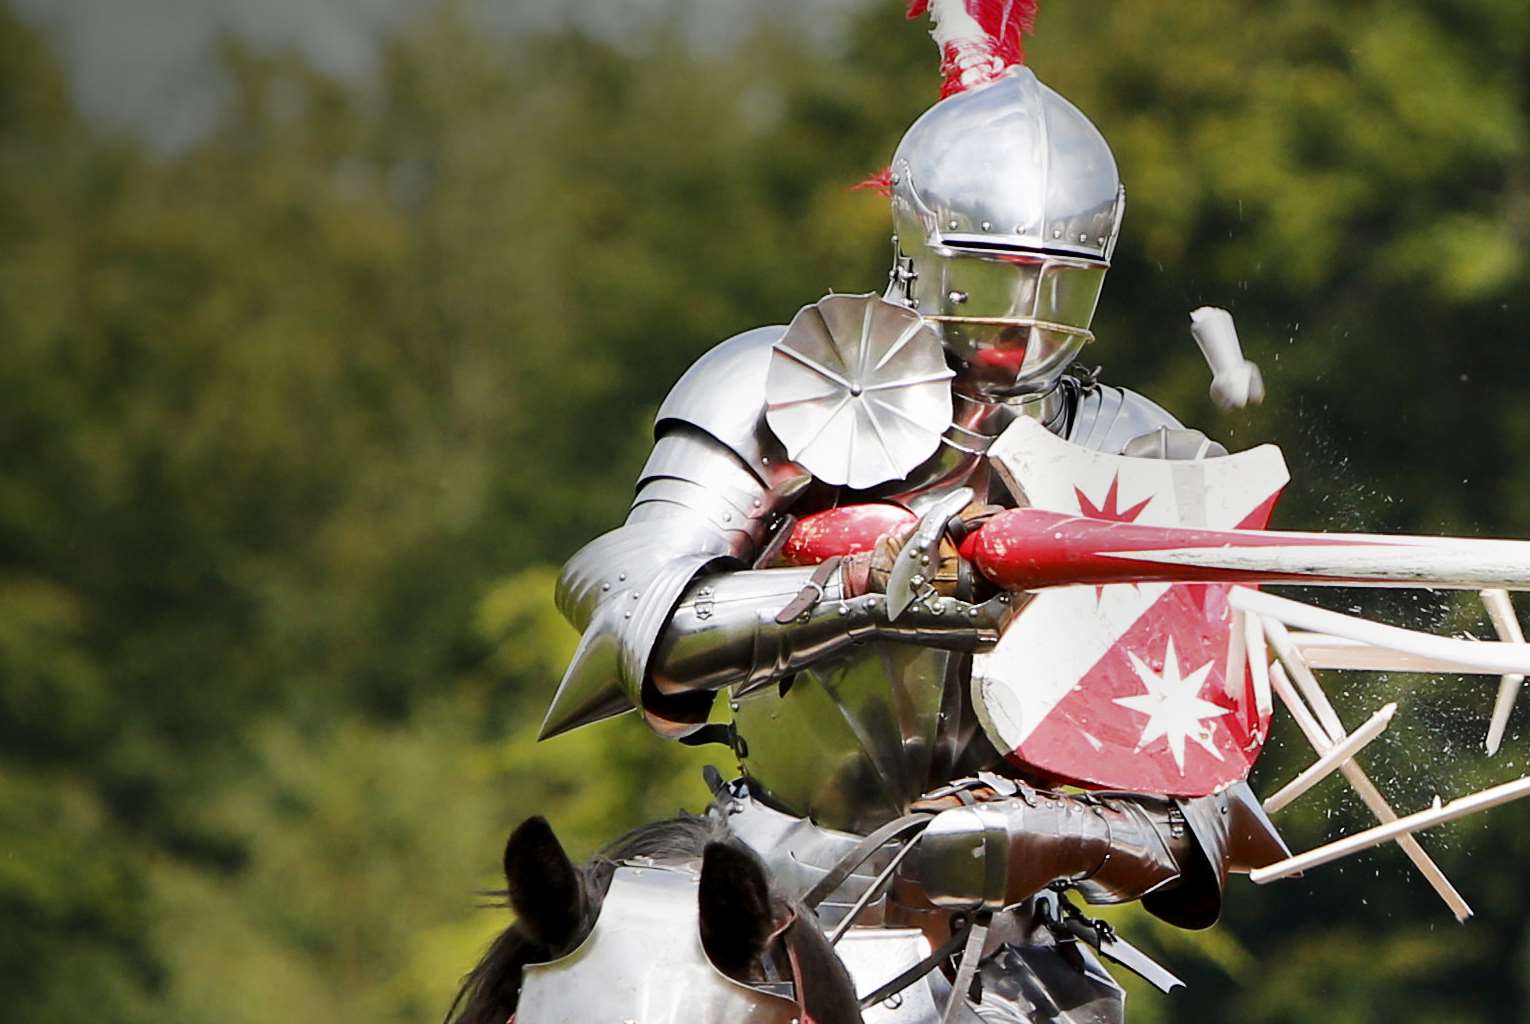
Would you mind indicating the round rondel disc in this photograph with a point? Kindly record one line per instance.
(858, 391)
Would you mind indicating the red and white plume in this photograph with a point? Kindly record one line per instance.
(978, 39)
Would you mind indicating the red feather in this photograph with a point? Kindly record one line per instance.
(973, 60)
(1005, 21)
(970, 60)
(880, 183)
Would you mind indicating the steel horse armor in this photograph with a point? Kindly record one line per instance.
(1007, 205)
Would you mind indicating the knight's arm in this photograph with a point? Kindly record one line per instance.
(666, 603)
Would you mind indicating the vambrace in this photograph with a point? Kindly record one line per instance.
(1174, 855)
(754, 627)
(726, 631)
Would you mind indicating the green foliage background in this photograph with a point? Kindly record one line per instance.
(295, 426)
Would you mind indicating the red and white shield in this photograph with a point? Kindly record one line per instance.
(1125, 686)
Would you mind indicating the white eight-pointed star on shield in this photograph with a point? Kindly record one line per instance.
(1174, 706)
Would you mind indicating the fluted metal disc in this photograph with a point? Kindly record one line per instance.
(859, 391)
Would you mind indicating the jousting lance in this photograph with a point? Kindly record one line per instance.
(1031, 549)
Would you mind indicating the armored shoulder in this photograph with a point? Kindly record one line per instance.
(723, 395)
(1119, 421)
(709, 494)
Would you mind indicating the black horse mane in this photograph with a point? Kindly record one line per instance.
(489, 992)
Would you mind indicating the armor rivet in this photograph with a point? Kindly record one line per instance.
(917, 580)
(636, 594)
(893, 1001)
(756, 502)
(1057, 232)
(844, 609)
(987, 226)
(953, 224)
(1101, 239)
(627, 616)
(1083, 237)
(605, 586)
(727, 517)
(895, 179)
(924, 559)
(972, 613)
(733, 705)
(622, 577)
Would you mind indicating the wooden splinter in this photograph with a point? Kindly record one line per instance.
(1323, 741)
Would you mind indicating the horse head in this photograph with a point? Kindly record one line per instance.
(672, 923)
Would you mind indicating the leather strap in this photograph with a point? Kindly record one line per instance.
(909, 824)
(812, 591)
(919, 970)
(972, 952)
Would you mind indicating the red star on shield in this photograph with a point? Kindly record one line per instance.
(1108, 509)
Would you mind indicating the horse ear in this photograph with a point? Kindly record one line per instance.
(734, 905)
(544, 888)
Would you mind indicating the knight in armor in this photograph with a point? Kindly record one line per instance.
(1006, 205)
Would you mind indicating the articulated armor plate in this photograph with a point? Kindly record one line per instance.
(708, 496)
(859, 390)
(643, 961)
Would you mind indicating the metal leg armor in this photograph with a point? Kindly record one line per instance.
(1174, 855)
(994, 854)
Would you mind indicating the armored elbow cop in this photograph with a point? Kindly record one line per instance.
(1174, 855)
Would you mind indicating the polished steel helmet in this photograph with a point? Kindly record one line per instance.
(1007, 203)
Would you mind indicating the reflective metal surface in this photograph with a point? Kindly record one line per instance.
(1107, 418)
(852, 740)
(1011, 165)
(959, 461)
(858, 390)
(799, 853)
(873, 956)
(1007, 205)
(643, 963)
(723, 394)
(995, 854)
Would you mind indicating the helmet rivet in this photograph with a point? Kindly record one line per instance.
(987, 226)
(952, 225)
(896, 179)
(1083, 237)
(1057, 232)
(956, 298)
